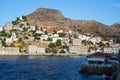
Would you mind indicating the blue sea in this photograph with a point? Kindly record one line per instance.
(43, 68)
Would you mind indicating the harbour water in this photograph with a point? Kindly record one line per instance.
(43, 68)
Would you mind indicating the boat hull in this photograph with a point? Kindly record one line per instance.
(97, 69)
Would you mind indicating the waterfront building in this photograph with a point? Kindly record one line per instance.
(31, 49)
(75, 49)
(116, 48)
(9, 50)
(108, 50)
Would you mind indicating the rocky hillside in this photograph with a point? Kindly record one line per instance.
(116, 25)
(47, 17)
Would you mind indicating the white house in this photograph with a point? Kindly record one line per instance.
(96, 39)
(20, 29)
(69, 32)
(44, 37)
(60, 31)
(54, 39)
(111, 42)
(8, 41)
(13, 37)
(55, 35)
(39, 32)
(25, 26)
(32, 28)
(1, 28)
(21, 18)
(84, 37)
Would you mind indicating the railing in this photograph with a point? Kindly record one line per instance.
(96, 65)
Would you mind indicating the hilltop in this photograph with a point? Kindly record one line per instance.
(44, 17)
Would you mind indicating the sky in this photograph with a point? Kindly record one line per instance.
(104, 11)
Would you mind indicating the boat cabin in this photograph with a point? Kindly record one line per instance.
(98, 58)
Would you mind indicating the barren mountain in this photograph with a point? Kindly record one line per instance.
(47, 17)
(116, 25)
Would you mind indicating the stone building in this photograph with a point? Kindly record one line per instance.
(74, 49)
(9, 50)
(35, 50)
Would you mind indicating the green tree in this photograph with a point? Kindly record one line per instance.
(46, 32)
(107, 44)
(41, 29)
(24, 18)
(16, 21)
(62, 51)
(116, 40)
(12, 45)
(3, 33)
(21, 48)
(3, 43)
(64, 47)
(49, 39)
(59, 42)
(47, 50)
(52, 45)
(84, 42)
(61, 34)
(55, 32)
(37, 36)
(54, 50)
(20, 39)
(101, 44)
(25, 29)
(36, 28)
(90, 43)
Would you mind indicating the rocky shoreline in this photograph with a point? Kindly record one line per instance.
(44, 54)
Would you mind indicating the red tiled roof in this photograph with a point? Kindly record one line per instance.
(98, 54)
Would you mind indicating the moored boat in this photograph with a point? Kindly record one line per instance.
(98, 63)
